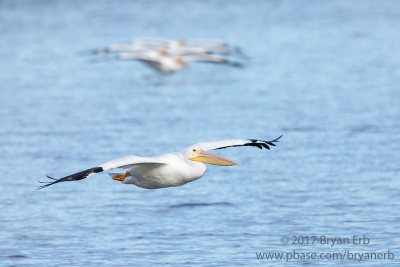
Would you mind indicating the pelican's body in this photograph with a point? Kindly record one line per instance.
(170, 169)
(174, 172)
(157, 60)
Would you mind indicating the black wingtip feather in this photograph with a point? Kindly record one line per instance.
(258, 145)
(74, 177)
(51, 183)
(265, 145)
(271, 143)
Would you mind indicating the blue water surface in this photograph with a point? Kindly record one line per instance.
(324, 74)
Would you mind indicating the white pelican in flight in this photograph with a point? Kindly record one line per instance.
(170, 169)
(184, 47)
(166, 64)
(211, 45)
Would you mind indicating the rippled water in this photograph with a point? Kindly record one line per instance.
(325, 74)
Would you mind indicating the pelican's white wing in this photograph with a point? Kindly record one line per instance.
(125, 162)
(118, 48)
(134, 56)
(236, 142)
(211, 58)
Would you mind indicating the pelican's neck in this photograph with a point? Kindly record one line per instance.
(197, 169)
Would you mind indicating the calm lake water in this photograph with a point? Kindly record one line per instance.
(324, 74)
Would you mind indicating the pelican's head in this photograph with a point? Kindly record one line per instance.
(194, 153)
(181, 62)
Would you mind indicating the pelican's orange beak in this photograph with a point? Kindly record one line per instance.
(213, 159)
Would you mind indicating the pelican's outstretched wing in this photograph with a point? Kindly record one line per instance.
(118, 48)
(211, 58)
(124, 162)
(132, 56)
(236, 142)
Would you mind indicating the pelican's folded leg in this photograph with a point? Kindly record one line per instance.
(119, 176)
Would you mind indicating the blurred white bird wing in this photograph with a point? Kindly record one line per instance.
(133, 56)
(205, 42)
(210, 58)
(118, 48)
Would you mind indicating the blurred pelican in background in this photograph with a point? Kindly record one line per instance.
(191, 45)
(167, 64)
(169, 56)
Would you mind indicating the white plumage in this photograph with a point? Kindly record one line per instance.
(157, 60)
(170, 169)
(169, 56)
